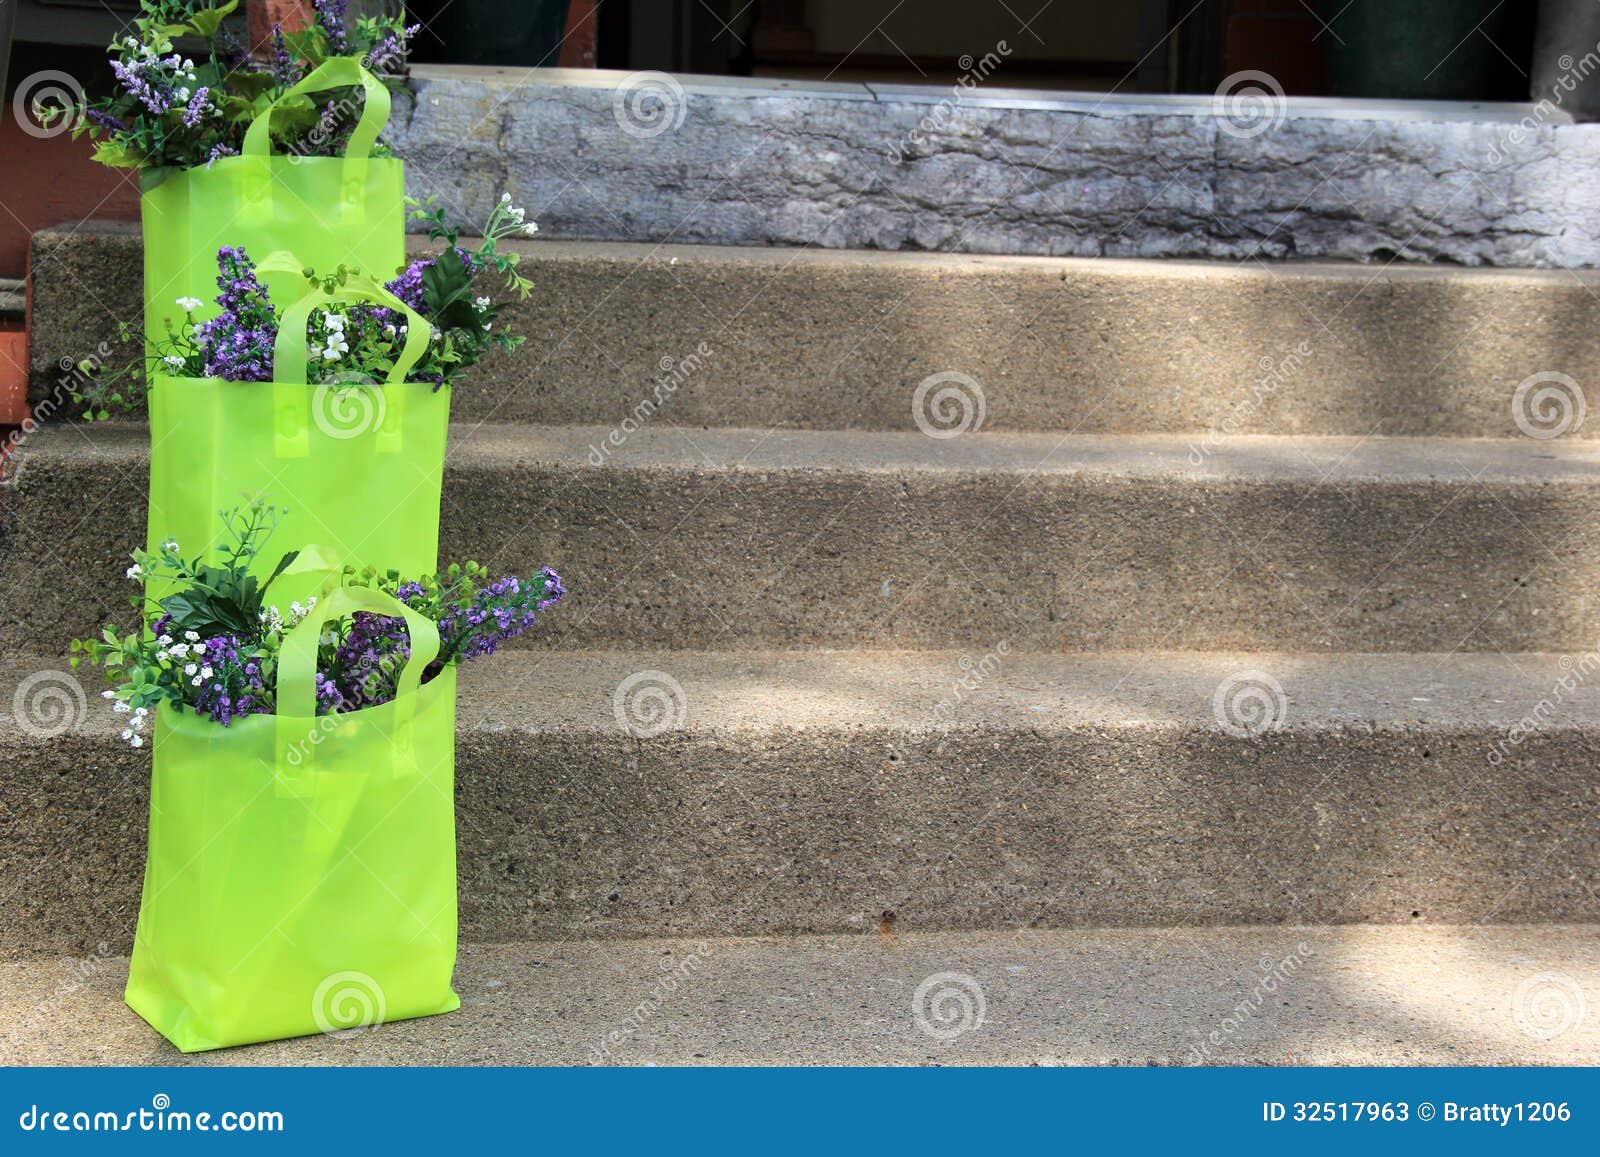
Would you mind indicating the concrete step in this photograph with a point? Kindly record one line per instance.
(1364, 995)
(628, 794)
(815, 339)
(732, 539)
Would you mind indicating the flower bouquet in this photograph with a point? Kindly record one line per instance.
(337, 399)
(283, 153)
(301, 862)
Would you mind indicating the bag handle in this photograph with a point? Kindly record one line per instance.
(338, 72)
(297, 656)
(289, 350)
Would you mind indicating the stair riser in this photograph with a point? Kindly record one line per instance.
(694, 834)
(731, 559)
(841, 341)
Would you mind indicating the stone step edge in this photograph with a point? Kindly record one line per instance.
(1278, 995)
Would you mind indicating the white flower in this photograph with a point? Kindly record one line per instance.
(108, 694)
(137, 741)
(516, 213)
(182, 94)
(333, 321)
(135, 571)
(487, 326)
(296, 609)
(170, 545)
(505, 198)
(192, 636)
(180, 651)
(191, 669)
(121, 708)
(205, 672)
(435, 333)
(481, 302)
(188, 304)
(405, 329)
(165, 640)
(194, 332)
(174, 361)
(127, 733)
(530, 229)
(389, 330)
(196, 681)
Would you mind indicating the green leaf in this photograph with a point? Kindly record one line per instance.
(204, 24)
(118, 155)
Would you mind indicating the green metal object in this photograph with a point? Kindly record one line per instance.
(1417, 49)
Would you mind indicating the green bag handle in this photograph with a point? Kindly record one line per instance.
(289, 350)
(339, 72)
(291, 401)
(297, 657)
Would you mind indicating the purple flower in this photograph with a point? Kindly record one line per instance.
(106, 121)
(330, 15)
(390, 52)
(285, 73)
(196, 108)
(238, 342)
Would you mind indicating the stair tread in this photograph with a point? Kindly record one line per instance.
(1038, 693)
(1317, 460)
(1373, 995)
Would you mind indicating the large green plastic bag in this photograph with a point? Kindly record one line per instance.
(301, 870)
(329, 210)
(357, 467)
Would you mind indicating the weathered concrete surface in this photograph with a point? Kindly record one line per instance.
(816, 339)
(733, 539)
(815, 792)
(781, 163)
(1237, 996)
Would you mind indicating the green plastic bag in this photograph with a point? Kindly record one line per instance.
(358, 467)
(329, 210)
(301, 869)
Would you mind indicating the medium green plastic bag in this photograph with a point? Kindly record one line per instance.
(301, 869)
(330, 210)
(358, 467)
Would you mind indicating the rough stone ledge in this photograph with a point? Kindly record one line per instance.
(889, 167)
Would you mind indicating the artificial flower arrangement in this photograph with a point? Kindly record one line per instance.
(211, 646)
(170, 111)
(461, 292)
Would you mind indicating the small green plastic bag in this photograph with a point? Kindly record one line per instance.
(329, 210)
(358, 467)
(301, 869)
